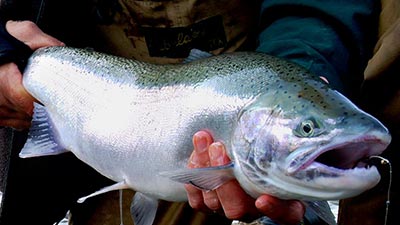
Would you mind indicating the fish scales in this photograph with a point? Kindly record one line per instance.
(133, 122)
(134, 93)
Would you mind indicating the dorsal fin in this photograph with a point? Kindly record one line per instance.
(196, 54)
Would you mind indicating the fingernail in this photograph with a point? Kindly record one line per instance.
(217, 153)
(261, 203)
(200, 143)
(198, 162)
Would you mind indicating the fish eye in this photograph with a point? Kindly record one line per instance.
(308, 128)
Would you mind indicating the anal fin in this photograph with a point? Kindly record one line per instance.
(143, 209)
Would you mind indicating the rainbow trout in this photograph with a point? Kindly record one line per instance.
(288, 134)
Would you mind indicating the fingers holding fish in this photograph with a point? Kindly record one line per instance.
(207, 200)
(16, 105)
(201, 200)
(200, 157)
(278, 209)
(236, 203)
(241, 206)
(208, 153)
(13, 119)
(30, 34)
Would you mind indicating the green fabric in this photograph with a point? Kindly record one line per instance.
(307, 46)
(330, 38)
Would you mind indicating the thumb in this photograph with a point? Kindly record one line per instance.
(388, 51)
(30, 34)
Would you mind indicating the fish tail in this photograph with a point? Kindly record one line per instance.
(42, 138)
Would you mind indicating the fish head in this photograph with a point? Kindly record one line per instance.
(306, 141)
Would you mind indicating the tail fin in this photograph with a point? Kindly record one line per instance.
(42, 138)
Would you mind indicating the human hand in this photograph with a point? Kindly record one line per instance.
(230, 198)
(387, 52)
(16, 105)
(381, 77)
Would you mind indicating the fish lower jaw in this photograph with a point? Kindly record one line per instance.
(360, 169)
(320, 189)
(329, 183)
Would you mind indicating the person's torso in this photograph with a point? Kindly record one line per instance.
(166, 31)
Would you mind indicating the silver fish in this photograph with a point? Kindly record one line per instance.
(288, 134)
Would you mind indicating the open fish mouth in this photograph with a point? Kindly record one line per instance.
(349, 156)
(338, 159)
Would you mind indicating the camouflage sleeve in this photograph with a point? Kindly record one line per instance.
(331, 38)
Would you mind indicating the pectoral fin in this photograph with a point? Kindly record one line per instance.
(143, 209)
(208, 178)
